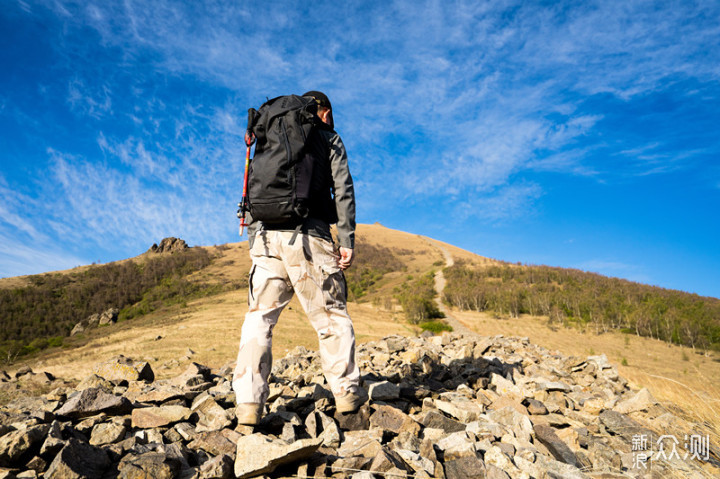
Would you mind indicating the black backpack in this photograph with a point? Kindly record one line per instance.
(280, 174)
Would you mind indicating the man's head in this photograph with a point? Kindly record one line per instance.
(324, 106)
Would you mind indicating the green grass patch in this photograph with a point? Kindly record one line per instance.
(435, 326)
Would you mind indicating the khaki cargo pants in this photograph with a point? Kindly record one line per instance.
(308, 268)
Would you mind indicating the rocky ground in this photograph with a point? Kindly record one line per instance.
(447, 406)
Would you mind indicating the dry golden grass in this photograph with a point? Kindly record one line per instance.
(210, 327)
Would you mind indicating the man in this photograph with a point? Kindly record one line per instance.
(310, 267)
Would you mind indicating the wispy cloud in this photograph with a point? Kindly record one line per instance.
(18, 258)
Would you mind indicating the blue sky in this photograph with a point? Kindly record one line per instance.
(575, 134)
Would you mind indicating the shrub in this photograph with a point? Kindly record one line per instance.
(435, 326)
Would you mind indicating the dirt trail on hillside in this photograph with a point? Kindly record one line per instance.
(457, 326)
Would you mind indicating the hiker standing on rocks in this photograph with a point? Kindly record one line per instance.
(299, 256)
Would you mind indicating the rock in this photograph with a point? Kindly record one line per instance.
(125, 369)
(386, 461)
(169, 245)
(391, 419)
(640, 401)
(211, 416)
(323, 426)
(457, 445)
(468, 467)
(456, 407)
(621, 425)
(150, 417)
(357, 421)
(16, 444)
(546, 435)
(218, 467)
(92, 401)
(416, 461)
(156, 465)
(383, 391)
(600, 361)
(258, 454)
(109, 316)
(213, 442)
(107, 433)
(553, 386)
(535, 407)
(78, 460)
(95, 381)
(459, 407)
(509, 417)
(435, 420)
(361, 443)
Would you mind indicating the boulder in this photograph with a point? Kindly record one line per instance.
(258, 454)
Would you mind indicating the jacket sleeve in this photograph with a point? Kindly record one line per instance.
(343, 192)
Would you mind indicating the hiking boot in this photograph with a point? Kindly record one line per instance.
(248, 414)
(351, 402)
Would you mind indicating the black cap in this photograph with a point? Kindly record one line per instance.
(320, 97)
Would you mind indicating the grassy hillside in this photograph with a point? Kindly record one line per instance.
(573, 297)
(41, 310)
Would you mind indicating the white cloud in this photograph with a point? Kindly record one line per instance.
(505, 203)
(614, 268)
(19, 258)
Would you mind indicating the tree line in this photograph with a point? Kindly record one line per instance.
(43, 312)
(571, 296)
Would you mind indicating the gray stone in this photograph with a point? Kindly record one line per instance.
(258, 454)
(211, 416)
(15, 444)
(107, 433)
(468, 467)
(149, 417)
(95, 381)
(156, 465)
(641, 401)
(621, 425)
(547, 436)
(387, 460)
(90, 402)
(600, 361)
(359, 420)
(321, 425)
(457, 445)
(494, 472)
(416, 461)
(383, 391)
(125, 369)
(519, 423)
(436, 420)
(213, 442)
(552, 386)
(109, 316)
(535, 407)
(361, 443)
(78, 460)
(218, 467)
(459, 407)
(391, 419)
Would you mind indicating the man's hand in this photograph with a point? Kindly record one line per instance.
(346, 258)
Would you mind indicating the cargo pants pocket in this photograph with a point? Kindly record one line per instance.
(334, 287)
